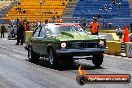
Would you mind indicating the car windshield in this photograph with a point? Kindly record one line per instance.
(57, 29)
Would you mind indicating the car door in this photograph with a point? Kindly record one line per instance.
(44, 40)
(41, 41)
(34, 40)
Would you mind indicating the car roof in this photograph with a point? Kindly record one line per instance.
(62, 24)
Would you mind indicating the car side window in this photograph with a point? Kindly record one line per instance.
(36, 33)
(42, 32)
(48, 32)
(45, 31)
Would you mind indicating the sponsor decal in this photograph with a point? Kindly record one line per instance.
(83, 78)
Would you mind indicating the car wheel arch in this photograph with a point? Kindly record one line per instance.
(48, 49)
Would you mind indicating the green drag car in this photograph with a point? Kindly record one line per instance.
(60, 42)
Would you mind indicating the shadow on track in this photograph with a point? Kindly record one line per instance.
(66, 67)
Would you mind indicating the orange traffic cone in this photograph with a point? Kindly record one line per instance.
(126, 34)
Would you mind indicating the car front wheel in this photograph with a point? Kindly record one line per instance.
(52, 58)
(97, 59)
(33, 57)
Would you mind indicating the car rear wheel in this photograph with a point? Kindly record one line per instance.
(52, 58)
(97, 59)
(33, 57)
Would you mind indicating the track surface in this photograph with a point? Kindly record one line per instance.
(17, 72)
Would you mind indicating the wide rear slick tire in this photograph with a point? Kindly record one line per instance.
(52, 58)
(97, 59)
(33, 57)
